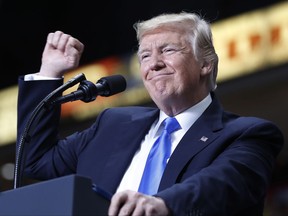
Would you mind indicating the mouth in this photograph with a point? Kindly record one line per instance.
(159, 76)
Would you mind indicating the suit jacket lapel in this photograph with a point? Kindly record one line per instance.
(130, 136)
(201, 134)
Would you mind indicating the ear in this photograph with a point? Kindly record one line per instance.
(206, 68)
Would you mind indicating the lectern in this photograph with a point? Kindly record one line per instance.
(68, 195)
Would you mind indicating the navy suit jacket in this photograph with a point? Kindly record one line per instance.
(222, 166)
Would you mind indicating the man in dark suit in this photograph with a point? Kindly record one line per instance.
(220, 163)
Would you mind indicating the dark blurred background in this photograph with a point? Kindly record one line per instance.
(105, 27)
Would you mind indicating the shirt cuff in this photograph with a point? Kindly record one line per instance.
(30, 77)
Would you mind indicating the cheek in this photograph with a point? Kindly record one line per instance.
(189, 76)
(143, 71)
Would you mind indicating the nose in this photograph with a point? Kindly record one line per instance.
(157, 62)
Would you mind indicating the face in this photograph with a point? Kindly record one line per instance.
(169, 70)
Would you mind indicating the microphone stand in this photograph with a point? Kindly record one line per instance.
(31, 124)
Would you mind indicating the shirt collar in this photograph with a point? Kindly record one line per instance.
(187, 118)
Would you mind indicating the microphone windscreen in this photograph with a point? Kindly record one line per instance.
(113, 84)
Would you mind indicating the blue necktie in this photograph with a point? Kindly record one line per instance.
(157, 158)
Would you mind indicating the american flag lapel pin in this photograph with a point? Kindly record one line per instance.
(204, 138)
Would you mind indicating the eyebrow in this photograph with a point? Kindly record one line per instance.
(165, 44)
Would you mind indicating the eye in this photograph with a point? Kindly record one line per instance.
(168, 50)
(144, 56)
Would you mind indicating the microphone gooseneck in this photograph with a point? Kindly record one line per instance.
(36, 114)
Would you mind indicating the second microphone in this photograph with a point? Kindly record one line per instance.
(88, 91)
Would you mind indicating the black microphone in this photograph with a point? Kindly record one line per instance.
(88, 91)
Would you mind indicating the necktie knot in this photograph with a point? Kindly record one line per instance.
(171, 124)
